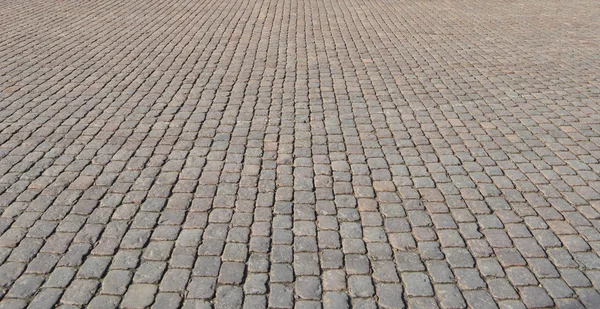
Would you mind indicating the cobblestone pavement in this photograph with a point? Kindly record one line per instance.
(299, 153)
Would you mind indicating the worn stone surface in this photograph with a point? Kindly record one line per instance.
(299, 154)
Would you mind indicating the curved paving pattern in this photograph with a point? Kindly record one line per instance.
(287, 153)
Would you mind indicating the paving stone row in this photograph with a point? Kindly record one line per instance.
(299, 154)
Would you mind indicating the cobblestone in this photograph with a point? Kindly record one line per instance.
(299, 154)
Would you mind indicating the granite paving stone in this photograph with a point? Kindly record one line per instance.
(299, 154)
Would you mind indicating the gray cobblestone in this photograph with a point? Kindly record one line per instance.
(281, 296)
(104, 301)
(229, 297)
(535, 297)
(45, 299)
(139, 296)
(299, 154)
(417, 284)
(335, 300)
(79, 292)
(449, 296)
(115, 282)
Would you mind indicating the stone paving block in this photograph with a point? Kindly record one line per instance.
(139, 296)
(299, 154)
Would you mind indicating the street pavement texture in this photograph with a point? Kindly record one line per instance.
(299, 154)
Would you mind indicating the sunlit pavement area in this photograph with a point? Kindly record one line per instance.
(299, 154)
